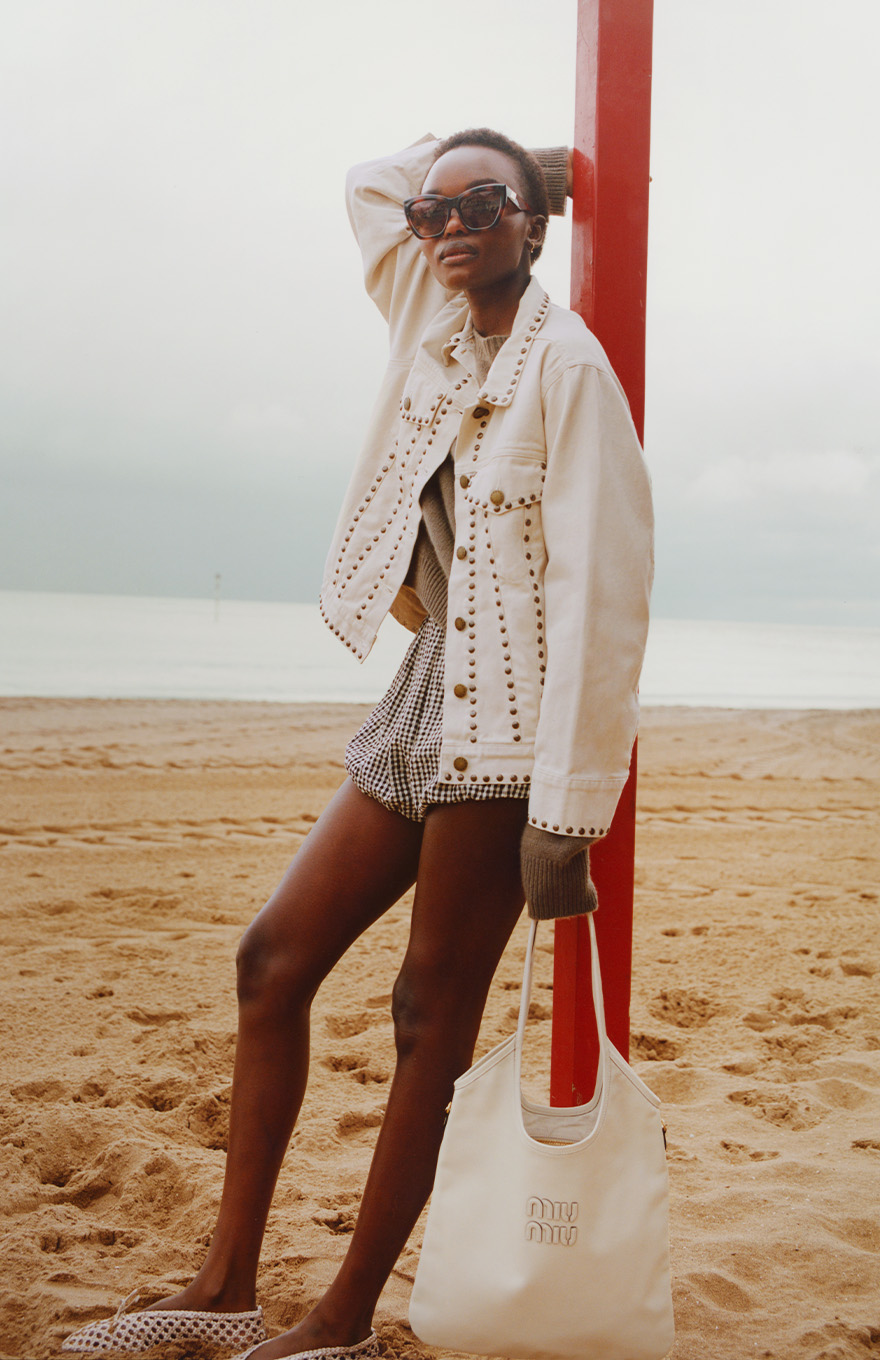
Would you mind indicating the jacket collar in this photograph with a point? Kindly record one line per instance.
(504, 375)
(447, 329)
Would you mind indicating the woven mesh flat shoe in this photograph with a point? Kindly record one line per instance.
(367, 1349)
(133, 1332)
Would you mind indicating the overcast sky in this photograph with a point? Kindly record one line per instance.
(188, 357)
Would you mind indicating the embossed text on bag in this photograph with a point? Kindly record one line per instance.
(551, 1221)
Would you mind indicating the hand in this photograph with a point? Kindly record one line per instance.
(556, 874)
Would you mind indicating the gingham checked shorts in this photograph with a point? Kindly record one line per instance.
(395, 757)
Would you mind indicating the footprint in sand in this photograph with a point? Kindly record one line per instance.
(827, 1019)
(58, 1161)
(861, 1233)
(161, 1095)
(537, 1011)
(739, 1152)
(799, 1028)
(337, 1220)
(795, 1045)
(742, 1067)
(721, 1291)
(653, 1048)
(838, 1094)
(778, 1107)
(121, 1171)
(358, 1121)
(98, 1090)
(346, 1026)
(857, 968)
(686, 1009)
(53, 1240)
(142, 1016)
(42, 1088)
(839, 1339)
(356, 1066)
(676, 1085)
(207, 1118)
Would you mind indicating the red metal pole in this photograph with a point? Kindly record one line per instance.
(609, 273)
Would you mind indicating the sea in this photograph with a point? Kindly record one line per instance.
(128, 647)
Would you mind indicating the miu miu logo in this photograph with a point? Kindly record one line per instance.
(551, 1221)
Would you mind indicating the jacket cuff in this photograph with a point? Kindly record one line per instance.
(553, 160)
(569, 805)
(555, 849)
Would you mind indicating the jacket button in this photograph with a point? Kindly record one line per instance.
(480, 412)
(460, 625)
(460, 691)
(461, 553)
(464, 480)
(459, 763)
(406, 403)
(497, 498)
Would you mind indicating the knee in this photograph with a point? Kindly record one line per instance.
(428, 1009)
(409, 1012)
(271, 973)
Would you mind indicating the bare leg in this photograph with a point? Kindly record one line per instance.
(358, 859)
(468, 898)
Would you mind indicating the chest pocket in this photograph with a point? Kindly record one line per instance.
(505, 501)
(420, 402)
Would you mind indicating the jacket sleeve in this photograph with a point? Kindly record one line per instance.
(598, 533)
(395, 273)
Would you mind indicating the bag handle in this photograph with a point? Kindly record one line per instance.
(525, 997)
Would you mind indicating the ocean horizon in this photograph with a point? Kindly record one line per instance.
(141, 647)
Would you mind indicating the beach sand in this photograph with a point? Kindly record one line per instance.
(137, 840)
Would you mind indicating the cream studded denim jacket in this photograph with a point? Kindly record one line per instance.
(552, 567)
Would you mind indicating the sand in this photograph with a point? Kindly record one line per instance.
(137, 839)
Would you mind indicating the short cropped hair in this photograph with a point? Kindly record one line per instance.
(533, 183)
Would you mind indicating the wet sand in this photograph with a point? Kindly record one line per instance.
(138, 838)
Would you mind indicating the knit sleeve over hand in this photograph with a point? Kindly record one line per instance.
(553, 160)
(556, 874)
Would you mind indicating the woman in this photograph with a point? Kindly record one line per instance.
(501, 506)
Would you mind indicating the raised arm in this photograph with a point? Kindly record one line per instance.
(395, 273)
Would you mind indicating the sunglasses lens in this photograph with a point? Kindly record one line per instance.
(427, 216)
(478, 210)
(482, 208)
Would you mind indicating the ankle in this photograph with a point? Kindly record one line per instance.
(334, 1324)
(210, 1292)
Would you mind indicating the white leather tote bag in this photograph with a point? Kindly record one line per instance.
(547, 1235)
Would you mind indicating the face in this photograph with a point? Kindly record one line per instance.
(471, 260)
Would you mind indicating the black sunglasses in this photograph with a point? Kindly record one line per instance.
(478, 209)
